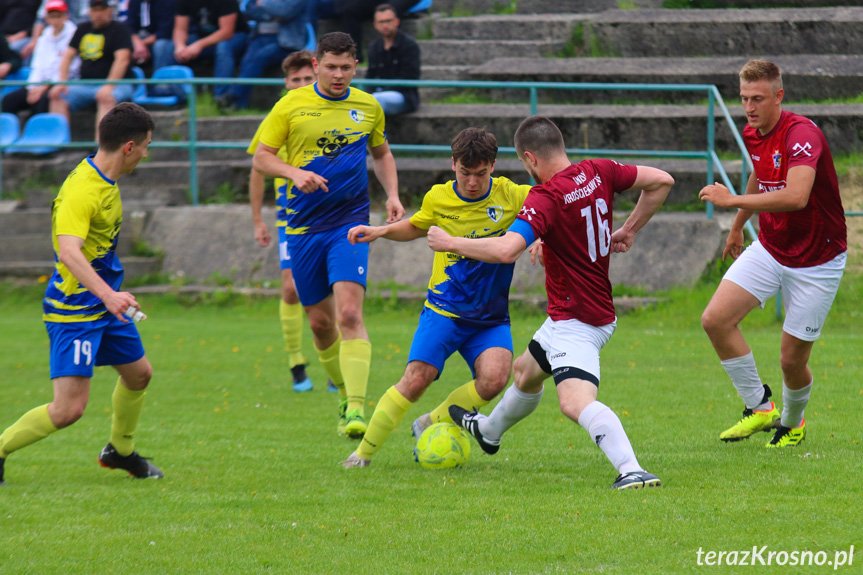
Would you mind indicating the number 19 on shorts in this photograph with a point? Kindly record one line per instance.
(83, 348)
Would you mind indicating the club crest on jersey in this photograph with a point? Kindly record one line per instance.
(777, 159)
(357, 116)
(495, 213)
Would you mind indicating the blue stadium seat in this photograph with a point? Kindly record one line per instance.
(10, 129)
(47, 130)
(312, 44)
(20, 74)
(180, 91)
(420, 6)
(140, 89)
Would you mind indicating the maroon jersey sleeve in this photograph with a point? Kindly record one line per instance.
(803, 145)
(621, 177)
(539, 210)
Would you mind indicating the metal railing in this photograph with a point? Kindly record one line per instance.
(708, 154)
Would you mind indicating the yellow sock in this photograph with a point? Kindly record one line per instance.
(33, 426)
(330, 361)
(355, 357)
(464, 396)
(388, 413)
(291, 315)
(127, 406)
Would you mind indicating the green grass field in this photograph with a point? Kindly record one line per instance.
(252, 482)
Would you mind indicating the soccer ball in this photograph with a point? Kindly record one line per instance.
(442, 445)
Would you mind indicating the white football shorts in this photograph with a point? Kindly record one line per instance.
(807, 293)
(572, 347)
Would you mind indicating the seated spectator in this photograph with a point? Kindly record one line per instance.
(352, 13)
(105, 49)
(45, 65)
(16, 20)
(9, 59)
(393, 56)
(149, 21)
(79, 12)
(281, 30)
(210, 29)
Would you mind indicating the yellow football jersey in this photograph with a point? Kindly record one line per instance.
(279, 184)
(462, 288)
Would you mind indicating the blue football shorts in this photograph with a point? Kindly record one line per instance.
(77, 347)
(437, 337)
(321, 259)
(284, 254)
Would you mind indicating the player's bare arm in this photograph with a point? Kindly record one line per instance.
(385, 170)
(256, 200)
(401, 231)
(794, 196)
(500, 250)
(655, 185)
(71, 256)
(268, 163)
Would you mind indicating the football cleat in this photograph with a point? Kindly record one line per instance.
(469, 421)
(301, 379)
(420, 424)
(635, 480)
(788, 436)
(137, 466)
(2, 461)
(331, 387)
(752, 422)
(355, 424)
(355, 460)
(343, 408)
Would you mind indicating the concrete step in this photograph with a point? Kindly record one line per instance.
(456, 52)
(723, 32)
(556, 28)
(805, 76)
(37, 246)
(145, 197)
(18, 222)
(648, 127)
(133, 267)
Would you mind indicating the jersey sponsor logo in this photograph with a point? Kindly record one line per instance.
(449, 216)
(756, 158)
(314, 114)
(357, 116)
(92, 47)
(804, 149)
(583, 192)
(777, 159)
(332, 148)
(528, 212)
(558, 355)
(771, 186)
(495, 213)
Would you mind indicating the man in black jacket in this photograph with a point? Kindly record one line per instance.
(393, 56)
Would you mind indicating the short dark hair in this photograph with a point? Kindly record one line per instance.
(473, 147)
(539, 135)
(336, 43)
(297, 61)
(123, 123)
(385, 7)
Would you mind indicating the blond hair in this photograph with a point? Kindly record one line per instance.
(757, 70)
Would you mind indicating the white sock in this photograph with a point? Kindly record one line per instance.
(745, 378)
(607, 432)
(514, 406)
(793, 403)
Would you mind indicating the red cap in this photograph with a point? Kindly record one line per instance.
(56, 6)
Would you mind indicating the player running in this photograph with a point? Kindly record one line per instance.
(801, 250)
(570, 211)
(467, 305)
(83, 307)
(326, 128)
(299, 72)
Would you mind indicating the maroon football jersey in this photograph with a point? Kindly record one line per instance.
(572, 214)
(815, 234)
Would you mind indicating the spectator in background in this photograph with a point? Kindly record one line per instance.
(17, 20)
(9, 59)
(352, 14)
(149, 21)
(78, 13)
(203, 29)
(393, 56)
(45, 65)
(281, 30)
(105, 49)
